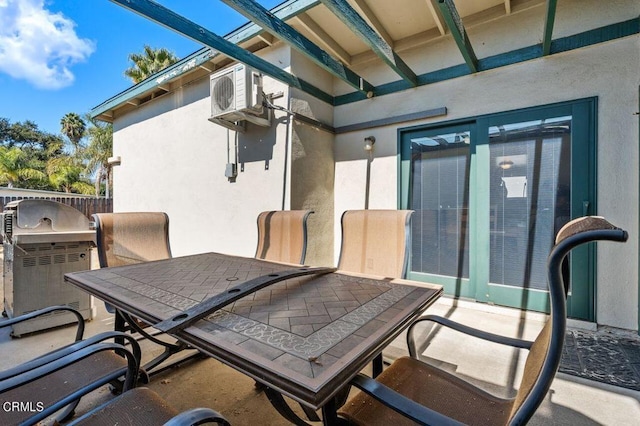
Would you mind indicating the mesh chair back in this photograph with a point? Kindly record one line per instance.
(128, 238)
(282, 236)
(375, 242)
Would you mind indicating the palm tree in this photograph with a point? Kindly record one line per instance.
(98, 152)
(14, 167)
(65, 173)
(73, 127)
(149, 62)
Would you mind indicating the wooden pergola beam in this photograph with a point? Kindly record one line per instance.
(549, 19)
(454, 22)
(267, 20)
(437, 17)
(323, 37)
(364, 10)
(371, 38)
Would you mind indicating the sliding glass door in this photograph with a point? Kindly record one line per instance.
(490, 195)
(439, 169)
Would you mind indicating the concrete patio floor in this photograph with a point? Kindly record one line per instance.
(571, 401)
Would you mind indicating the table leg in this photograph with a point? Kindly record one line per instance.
(330, 414)
(119, 325)
(377, 365)
(278, 402)
(329, 411)
(342, 396)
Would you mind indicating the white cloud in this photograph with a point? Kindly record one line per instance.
(38, 45)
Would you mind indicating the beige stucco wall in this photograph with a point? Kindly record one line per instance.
(174, 159)
(313, 163)
(608, 71)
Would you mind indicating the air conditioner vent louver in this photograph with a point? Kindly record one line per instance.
(236, 96)
(223, 94)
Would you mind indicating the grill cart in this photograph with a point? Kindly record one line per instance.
(43, 240)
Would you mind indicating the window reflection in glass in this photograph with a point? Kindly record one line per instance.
(529, 197)
(440, 198)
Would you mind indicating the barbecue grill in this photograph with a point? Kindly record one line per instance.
(43, 240)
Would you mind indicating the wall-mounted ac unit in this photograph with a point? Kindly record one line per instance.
(236, 95)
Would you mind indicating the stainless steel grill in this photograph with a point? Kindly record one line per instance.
(42, 240)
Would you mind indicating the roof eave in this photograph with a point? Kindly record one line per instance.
(187, 65)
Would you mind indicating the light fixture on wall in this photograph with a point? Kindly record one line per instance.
(506, 164)
(368, 143)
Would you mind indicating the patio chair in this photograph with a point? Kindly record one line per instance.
(411, 391)
(143, 407)
(132, 237)
(282, 236)
(129, 238)
(375, 242)
(56, 380)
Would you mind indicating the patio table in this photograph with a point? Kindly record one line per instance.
(301, 332)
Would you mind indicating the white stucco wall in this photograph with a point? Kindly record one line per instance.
(173, 160)
(608, 71)
(312, 162)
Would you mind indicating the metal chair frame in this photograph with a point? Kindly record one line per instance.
(126, 322)
(576, 232)
(65, 356)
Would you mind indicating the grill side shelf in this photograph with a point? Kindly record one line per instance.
(207, 307)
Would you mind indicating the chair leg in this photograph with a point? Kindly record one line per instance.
(68, 412)
(170, 348)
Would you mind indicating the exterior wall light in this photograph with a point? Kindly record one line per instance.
(368, 143)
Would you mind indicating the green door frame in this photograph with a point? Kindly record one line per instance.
(459, 287)
(581, 304)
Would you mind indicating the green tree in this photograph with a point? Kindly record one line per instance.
(149, 62)
(98, 151)
(27, 136)
(73, 127)
(66, 174)
(14, 167)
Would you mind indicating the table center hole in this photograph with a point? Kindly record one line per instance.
(180, 317)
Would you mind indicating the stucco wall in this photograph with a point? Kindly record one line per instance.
(608, 71)
(174, 159)
(313, 163)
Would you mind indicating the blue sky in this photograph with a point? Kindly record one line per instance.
(60, 56)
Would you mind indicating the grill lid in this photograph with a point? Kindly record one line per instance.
(44, 216)
(44, 221)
